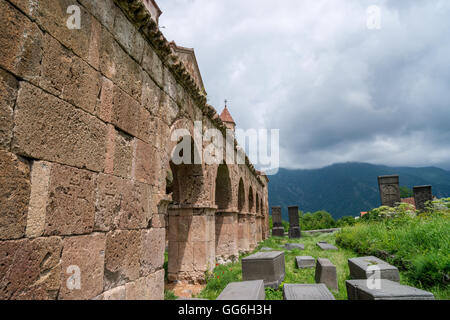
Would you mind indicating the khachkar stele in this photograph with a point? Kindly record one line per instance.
(389, 190)
(422, 194)
(294, 228)
(277, 229)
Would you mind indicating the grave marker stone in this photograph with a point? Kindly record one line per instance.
(326, 246)
(305, 262)
(389, 290)
(267, 266)
(422, 194)
(362, 268)
(389, 190)
(307, 292)
(278, 229)
(292, 246)
(294, 227)
(246, 290)
(326, 273)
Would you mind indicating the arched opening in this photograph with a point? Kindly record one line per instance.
(250, 200)
(257, 203)
(241, 195)
(223, 188)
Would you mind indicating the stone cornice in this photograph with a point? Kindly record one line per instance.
(137, 13)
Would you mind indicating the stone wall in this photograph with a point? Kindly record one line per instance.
(85, 122)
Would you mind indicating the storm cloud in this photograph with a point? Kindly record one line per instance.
(337, 90)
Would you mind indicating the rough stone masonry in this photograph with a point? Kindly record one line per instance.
(88, 192)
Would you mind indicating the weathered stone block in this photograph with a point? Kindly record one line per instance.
(105, 11)
(422, 194)
(326, 273)
(153, 244)
(153, 65)
(246, 290)
(119, 67)
(151, 94)
(74, 137)
(268, 266)
(30, 269)
(363, 268)
(294, 246)
(278, 229)
(119, 153)
(129, 37)
(305, 262)
(14, 195)
(388, 290)
(88, 254)
(389, 190)
(20, 43)
(68, 77)
(8, 92)
(326, 246)
(306, 292)
(122, 258)
(147, 164)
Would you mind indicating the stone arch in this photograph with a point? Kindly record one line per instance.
(223, 194)
(251, 201)
(241, 195)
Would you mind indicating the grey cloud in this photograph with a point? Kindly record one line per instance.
(336, 90)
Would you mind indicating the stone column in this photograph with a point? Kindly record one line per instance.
(294, 228)
(422, 194)
(191, 243)
(243, 235)
(252, 230)
(258, 229)
(389, 190)
(277, 229)
(227, 230)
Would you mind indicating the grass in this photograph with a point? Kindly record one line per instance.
(223, 275)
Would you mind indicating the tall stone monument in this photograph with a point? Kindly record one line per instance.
(389, 190)
(277, 229)
(294, 227)
(422, 194)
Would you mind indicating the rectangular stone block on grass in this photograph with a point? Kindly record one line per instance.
(363, 268)
(278, 229)
(389, 190)
(326, 246)
(292, 246)
(304, 262)
(388, 290)
(246, 290)
(294, 227)
(422, 194)
(268, 266)
(326, 273)
(307, 292)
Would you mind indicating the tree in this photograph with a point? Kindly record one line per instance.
(406, 192)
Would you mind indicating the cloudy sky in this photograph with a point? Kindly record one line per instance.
(338, 90)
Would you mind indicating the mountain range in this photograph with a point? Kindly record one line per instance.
(346, 189)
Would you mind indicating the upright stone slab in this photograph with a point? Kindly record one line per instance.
(326, 246)
(326, 273)
(246, 290)
(422, 194)
(278, 229)
(292, 246)
(307, 292)
(268, 266)
(294, 228)
(370, 267)
(389, 190)
(305, 262)
(388, 290)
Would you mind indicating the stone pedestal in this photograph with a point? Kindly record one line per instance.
(326, 246)
(246, 290)
(389, 190)
(422, 194)
(326, 273)
(277, 229)
(267, 266)
(365, 267)
(294, 227)
(226, 239)
(305, 262)
(191, 243)
(387, 290)
(306, 292)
